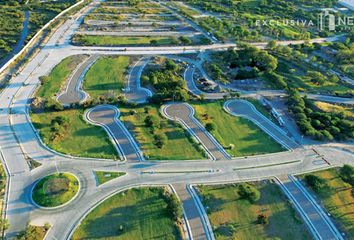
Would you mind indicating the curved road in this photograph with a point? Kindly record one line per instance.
(107, 116)
(73, 92)
(133, 91)
(184, 113)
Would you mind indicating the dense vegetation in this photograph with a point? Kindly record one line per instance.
(237, 20)
(167, 82)
(12, 16)
(250, 62)
(320, 125)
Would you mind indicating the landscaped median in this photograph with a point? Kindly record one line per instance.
(55, 190)
(239, 136)
(255, 210)
(139, 213)
(107, 40)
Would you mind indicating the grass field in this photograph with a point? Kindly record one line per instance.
(80, 139)
(178, 145)
(106, 77)
(103, 177)
(55, 190)
(245, 135)
(338, 200)
(232, 217)
(52, 83)
(93, 40)
(134, 214)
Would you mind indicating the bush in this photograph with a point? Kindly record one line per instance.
(347, 174)
(210, 127)
(160, 140)
(174, 206)
(316, 183)
(262, 219)
(249, 192)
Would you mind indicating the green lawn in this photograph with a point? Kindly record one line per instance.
(179, 144)
(106, 77)
(139, 213)
(79, 139)
(93, 40)
(55, 190)
(232, 217)
(247, 137)
(54, 81)
(103, 177)
(338, 200)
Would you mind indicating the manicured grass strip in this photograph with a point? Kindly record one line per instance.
(140, 213)
(267, 165)
(103, 177)
(52, 83)
(106, 76)
(338, 199)
(233, 217)
(78, 138)
(178, 146)
(247, 137)
(55, 190)
(93, 40)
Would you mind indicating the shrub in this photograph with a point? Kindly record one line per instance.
(347, 174)
(316, 183)
(249, 192)
(210, 127)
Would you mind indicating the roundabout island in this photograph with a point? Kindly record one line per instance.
(55, 190)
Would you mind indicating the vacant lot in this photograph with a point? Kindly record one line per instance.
(78, 137)
(337, 198)
(106, 77)
(134, 214)
(233, 217)
(55, 190)
(178, 145)
(247, 138)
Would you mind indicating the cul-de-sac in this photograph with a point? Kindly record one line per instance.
(164, 119)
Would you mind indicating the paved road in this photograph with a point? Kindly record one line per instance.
(316, 219)
(246, 109)
(107, 116)
(73, 91)
(184, 113)
(199, 228)
(133, 91)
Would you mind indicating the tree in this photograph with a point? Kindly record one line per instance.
(185, 40)
(210, 127)
(315, 182)
(174, 206)
(347, 174)
(271, 45)
(152, 121)
(249, 192)
(262, 219)
(160, 140)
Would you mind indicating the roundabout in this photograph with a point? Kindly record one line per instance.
(55, 190)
